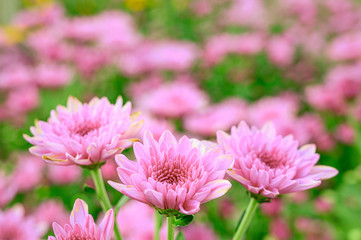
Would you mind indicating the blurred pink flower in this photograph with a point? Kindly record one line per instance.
(137, 88)
(155, 125)
(280, 229)
(15, 226)
(325, 142)
(268, 164)
(312, 124)
(282, 112)
(117, 31)
(84, 134)
(89, 60)
(63, 174)
(3, 41)
(49, 43)
(114, 30)
(345, 47)
(198, 232)
(227, 208)
(34, 17)
(52, 75)
(299, 197)
(280, 51)
(313, 229)
(323, 204)
(305, 11)
(51, 211)
(345, 133)
(303, 223)
(8, 189)
(323, 98)
(345, 79)
(219, 46)
(172, 174)
(28, 173)
(246, 13)
(136, 221)
(278, 108)
(21, 100)
(173, 99)
(82, 225)
(201, 7)
(109, 170)
(273, 208)
(157, 56)
(170, 55)
(15, 76)
(338, 6)
(207, 121)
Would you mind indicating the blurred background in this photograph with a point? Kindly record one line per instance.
(194, 67)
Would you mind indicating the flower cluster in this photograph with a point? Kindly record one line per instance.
(238, 91)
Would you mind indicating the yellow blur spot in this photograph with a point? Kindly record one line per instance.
(37, 3)
(180, 5)
(13, 34)
(136, 5)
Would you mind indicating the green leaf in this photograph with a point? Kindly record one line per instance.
(180, 236)
(183, 220)
(88, 189)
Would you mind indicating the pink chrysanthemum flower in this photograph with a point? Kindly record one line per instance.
(82, 225)
(85, 134)
(175, 175)
(268, 164)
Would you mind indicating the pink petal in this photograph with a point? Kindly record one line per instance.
(171, 199)
(233, 174)
(79, 213)
(58, 231)
(219, 188)
(107, 224)
(322, 172)
(189, 207)
(202, 195)
(129, 191)
(155, 198)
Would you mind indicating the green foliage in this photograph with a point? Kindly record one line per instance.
(180, 236)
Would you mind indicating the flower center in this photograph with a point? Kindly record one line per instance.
(171, 172)
(81, 235)
(273, 159)
(86, 128)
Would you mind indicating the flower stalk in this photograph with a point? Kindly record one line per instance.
(246, 220)
(171, 228)
(157, 225)
(123, 200)
(103, 196)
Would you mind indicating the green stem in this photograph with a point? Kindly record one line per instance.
(171, 228)
(246, 220)
(103, 196)
(120, 203)
(157, 224)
